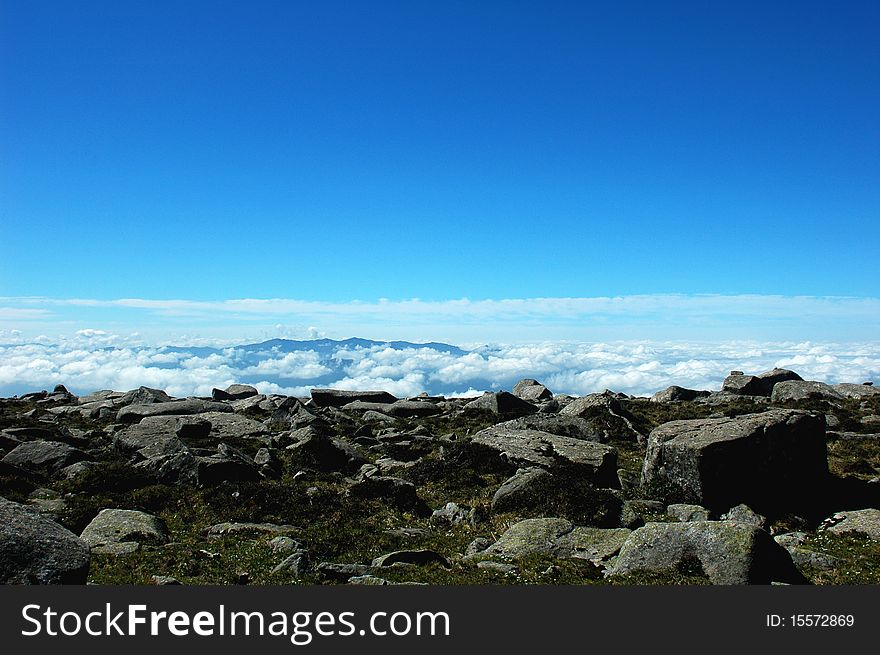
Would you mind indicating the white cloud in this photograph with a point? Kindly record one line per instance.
(85, 363)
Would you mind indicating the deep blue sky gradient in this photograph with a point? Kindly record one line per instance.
(358, 150)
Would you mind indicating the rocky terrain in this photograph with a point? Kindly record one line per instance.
(771, 480)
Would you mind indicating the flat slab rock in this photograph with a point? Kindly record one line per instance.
(525, 448)
(37, 550)
(557, 538)
(189, 406)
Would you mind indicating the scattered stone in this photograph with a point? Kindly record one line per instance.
(498, 567)
(283, 545)
(368, 580)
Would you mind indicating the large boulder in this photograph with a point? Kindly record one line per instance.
(44, 456)
(727, 552)
(757, 385)
(772, 461)
(528, 448)
(532, 390)
(801, 390)
(37, 550)
(501, 404)
(136, 413)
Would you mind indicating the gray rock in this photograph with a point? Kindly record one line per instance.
(757, 385)
(745, 514)
(605, 416)
(44, 456)
(338, 398)
(727, 553)
(557, 538)
(234, 392)
(684, 513)
(283, 545)
(478, 545)
(772, 461)
(677, 394)
(866, 521)
(565, 426)
(341, 572)
(800, 390)
(498, 567)
(805, 558)
(451, 513)
(790, 539)
(531, 390)
(120, 526)
(371, 580)
(143, 396)
(501, 404)
(849, 390)
(531, 448)
(37, 550)
(413, 557)
(136, 413)
(297, 564)
(516, 492)
(226, 425)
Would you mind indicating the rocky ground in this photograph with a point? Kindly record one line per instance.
(771, 480)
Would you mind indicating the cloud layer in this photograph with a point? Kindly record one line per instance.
(94, 359)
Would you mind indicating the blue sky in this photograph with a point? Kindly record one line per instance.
(339, 151)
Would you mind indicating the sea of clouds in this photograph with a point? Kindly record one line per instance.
(93, 359)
